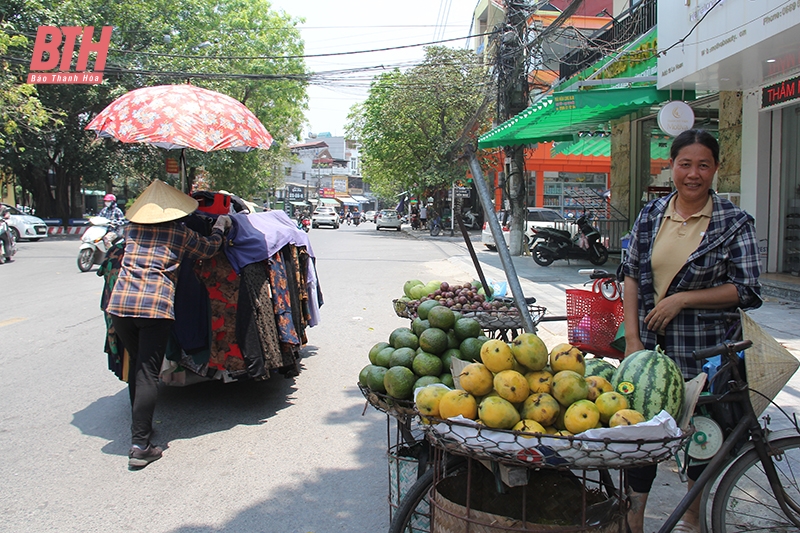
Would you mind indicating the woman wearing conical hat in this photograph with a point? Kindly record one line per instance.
(142, 302)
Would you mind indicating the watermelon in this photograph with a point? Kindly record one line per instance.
(651, 381)
(596, 366)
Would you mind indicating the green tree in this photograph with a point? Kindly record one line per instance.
(204, 42)
(413, 125)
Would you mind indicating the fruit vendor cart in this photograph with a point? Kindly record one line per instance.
(516, 481)
(237, 316)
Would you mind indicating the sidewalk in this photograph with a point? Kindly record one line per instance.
(781, 319)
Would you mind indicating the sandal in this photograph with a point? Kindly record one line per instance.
(685, 527)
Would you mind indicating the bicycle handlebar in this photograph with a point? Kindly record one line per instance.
(596, 273)
(721, 348)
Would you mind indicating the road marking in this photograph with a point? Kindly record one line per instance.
(11, 321)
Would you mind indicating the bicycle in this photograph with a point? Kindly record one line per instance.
(754, 471)
(436, 227)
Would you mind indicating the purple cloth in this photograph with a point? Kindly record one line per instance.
(258, 236)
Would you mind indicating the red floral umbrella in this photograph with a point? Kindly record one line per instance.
(182, 116)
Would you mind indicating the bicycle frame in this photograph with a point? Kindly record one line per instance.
(747, 426)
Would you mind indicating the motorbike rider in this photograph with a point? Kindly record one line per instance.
(112, 212)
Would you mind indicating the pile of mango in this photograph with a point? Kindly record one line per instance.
(523, 386)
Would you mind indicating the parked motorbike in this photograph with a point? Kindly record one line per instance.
(549, 244)
(95, 242)
(471, 220)
(8, 245)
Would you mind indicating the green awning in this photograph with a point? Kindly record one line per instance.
(601, 147)
(560, 116)
(329, 201)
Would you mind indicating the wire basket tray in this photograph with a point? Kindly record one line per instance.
(510, 319)
(461, 436)
(403, 410)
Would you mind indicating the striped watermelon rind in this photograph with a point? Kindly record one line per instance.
(656, 382)
(599, 367)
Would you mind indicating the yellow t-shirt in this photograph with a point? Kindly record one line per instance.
(676, 240)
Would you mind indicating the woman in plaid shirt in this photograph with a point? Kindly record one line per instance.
(689, 252)
(142, 301)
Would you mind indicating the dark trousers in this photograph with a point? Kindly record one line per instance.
(146, 341)
(641, 479)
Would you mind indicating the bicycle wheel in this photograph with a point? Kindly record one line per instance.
(414, 513)
(435, 230)
(744, 500)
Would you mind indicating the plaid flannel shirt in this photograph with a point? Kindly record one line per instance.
(145, 287)
(727, 253)
(114, 214)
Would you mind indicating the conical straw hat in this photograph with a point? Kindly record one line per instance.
(160, 203)
(769, 365)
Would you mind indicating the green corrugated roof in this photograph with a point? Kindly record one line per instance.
(601, 147)
(559, 116)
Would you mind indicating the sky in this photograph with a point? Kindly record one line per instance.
(342, 26)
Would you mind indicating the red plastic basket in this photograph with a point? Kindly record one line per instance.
(593, 321)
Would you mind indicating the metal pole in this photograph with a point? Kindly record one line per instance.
(500, 242)
(452, 207)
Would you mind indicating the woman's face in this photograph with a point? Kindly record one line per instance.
(693, 171)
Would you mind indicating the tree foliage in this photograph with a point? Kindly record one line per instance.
(414, 125)
(219, 46)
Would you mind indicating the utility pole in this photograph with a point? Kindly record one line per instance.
(512, 98)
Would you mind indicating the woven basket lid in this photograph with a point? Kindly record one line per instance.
(769, 365)
(161, 203)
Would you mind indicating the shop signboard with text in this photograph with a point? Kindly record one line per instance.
(697, 34)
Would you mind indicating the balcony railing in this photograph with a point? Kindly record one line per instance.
(628, 26)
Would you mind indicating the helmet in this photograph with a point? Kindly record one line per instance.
(109, 198)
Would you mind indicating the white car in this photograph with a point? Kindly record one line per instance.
(388, 218)
(538, 217)
(27, 227)
(325, 216)
(371, 216)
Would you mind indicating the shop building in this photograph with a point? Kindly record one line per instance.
(746, 54)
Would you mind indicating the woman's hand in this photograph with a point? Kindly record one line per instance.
(664, 311)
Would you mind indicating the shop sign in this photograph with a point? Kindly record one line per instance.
(675, 117)
(340, 185)
(327, 193)
(172, 166)
(461, 192)
(294, 193)
(779, 93)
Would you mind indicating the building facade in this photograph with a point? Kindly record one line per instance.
(748, 54)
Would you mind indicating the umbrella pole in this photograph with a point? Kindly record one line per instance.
(183, 170)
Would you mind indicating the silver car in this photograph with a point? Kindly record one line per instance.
(388, 218)
(27, 227)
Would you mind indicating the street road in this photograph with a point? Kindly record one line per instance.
(284, 455)
(281, 456)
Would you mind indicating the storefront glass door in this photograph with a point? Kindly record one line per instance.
(789, 250)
